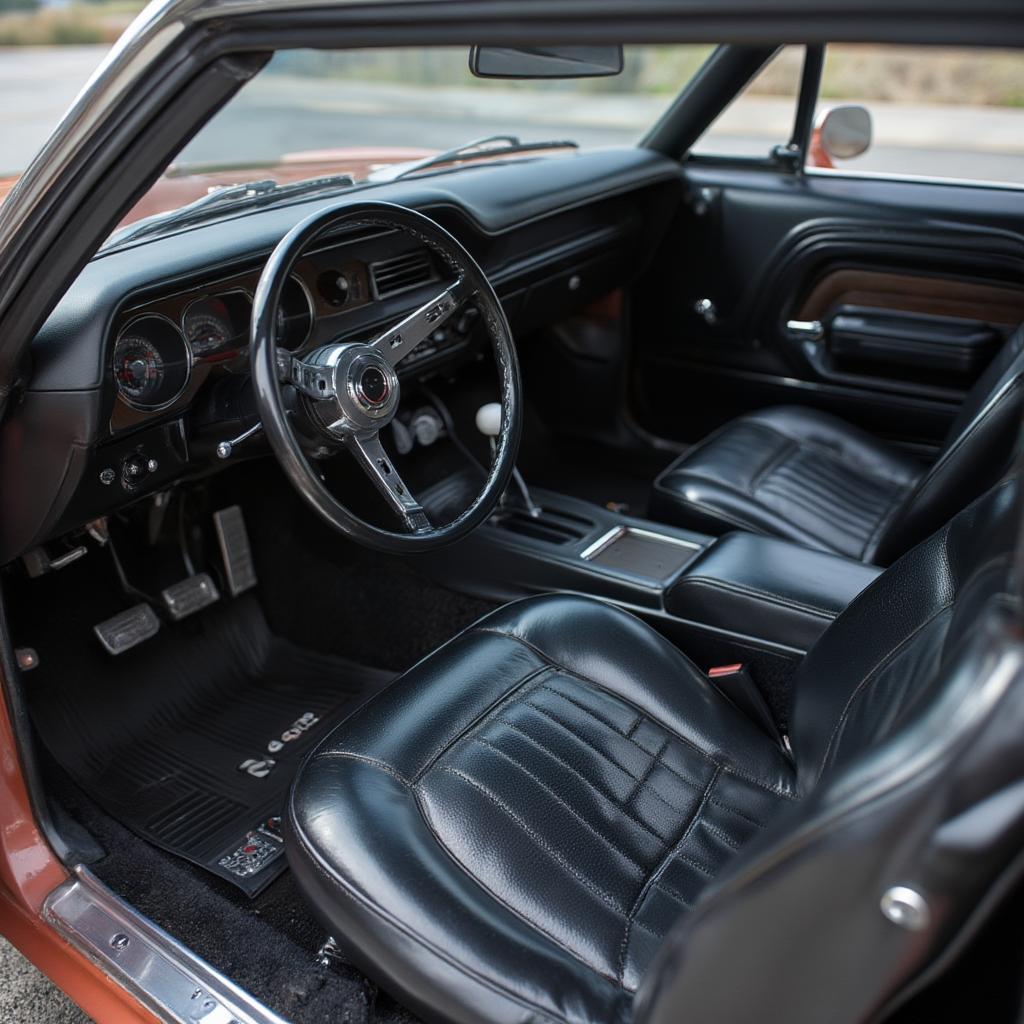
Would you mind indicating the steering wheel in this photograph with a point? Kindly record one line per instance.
(347, 392)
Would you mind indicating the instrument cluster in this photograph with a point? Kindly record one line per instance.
(156, 355)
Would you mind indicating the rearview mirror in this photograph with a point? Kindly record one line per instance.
(845, 132)
(546, 61)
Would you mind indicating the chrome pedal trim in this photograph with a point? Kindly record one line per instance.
(190, 596)
(127, 629)
(234, 548)
(166, 976)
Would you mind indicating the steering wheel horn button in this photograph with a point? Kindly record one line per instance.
(373, 386)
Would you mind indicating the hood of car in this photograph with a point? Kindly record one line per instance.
(183, 184)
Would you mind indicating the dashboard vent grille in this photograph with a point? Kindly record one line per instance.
(399, 273)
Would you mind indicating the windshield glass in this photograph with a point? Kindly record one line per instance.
(311, 114)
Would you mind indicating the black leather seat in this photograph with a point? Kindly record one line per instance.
(511, 830)
(817, 480)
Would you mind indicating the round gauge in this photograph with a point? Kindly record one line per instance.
(294, 315)
(151, 363)
(217, 326)
(138, 368)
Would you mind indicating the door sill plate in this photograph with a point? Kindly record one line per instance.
(164, 975)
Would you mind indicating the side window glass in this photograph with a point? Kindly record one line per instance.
(761, 117)
(921, 111)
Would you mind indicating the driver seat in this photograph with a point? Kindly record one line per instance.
(512, 830)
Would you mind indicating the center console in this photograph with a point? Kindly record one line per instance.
(737, 598)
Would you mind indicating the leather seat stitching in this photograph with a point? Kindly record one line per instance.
(491, 709)
(559, 800)
(978, 571)
(768, 598)
(739, 814)
(787, 450)
(608, 796)
(358, 897)
(662, 763)
(510, 907)
(590, 711)
(559, 859)
(597, 750)
(654, 762)
(729, 840)
(656, 874)
(323, 755)
(767, 787)
(669, 891)
(677, 465)
(869, 678)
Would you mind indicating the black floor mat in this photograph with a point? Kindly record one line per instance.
(193, 743)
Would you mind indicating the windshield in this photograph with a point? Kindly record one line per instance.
(312, 114)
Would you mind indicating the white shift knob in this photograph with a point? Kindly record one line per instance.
(488, 419)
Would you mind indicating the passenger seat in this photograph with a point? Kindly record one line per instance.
(813, 478)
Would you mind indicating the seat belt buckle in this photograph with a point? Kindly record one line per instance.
(721, 671)
(737, 685)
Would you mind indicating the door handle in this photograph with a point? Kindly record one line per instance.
(805, 330)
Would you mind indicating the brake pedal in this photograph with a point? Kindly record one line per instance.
(189, 596)
(127, 629)
(235, 550)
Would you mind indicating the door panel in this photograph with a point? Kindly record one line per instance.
(767, 247)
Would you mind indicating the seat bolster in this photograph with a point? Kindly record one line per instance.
(694, 502)
(490, 966)
(781, 472)
(811, 427)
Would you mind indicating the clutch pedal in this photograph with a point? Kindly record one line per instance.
(189, 596)
(235, 550)
(127, 629)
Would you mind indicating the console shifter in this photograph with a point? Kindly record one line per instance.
(488, 422)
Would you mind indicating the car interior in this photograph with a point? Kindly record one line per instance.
(617, 656)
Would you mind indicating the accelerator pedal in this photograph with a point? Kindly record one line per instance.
(189, 596)
(127, 629)
(235, 550)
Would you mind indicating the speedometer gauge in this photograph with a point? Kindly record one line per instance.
(138, 368)
(151, 363)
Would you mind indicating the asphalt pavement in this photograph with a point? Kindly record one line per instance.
(27, 997)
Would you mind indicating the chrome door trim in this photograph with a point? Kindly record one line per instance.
(161, 972)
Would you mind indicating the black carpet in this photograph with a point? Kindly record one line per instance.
(197, 755)
(267, 944)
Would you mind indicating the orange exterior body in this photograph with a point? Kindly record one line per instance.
(29, 872)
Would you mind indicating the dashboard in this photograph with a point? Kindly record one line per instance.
(143, 366)
(168, 348)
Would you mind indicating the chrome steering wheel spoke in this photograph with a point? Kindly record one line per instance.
(314, 381)
(377, 465)
(397, 342)
(345, 392)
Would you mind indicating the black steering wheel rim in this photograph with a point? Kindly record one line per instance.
(267, 384)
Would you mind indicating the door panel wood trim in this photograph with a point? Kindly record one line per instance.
(910, 293)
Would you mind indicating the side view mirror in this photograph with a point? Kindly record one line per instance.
(546, 61)
(841, 134)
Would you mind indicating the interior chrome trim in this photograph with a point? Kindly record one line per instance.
(606, 540)
(163, 974)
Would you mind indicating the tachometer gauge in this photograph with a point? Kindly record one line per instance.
(151, 363)
(217, 326)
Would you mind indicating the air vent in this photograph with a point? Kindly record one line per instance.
(400, 273)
